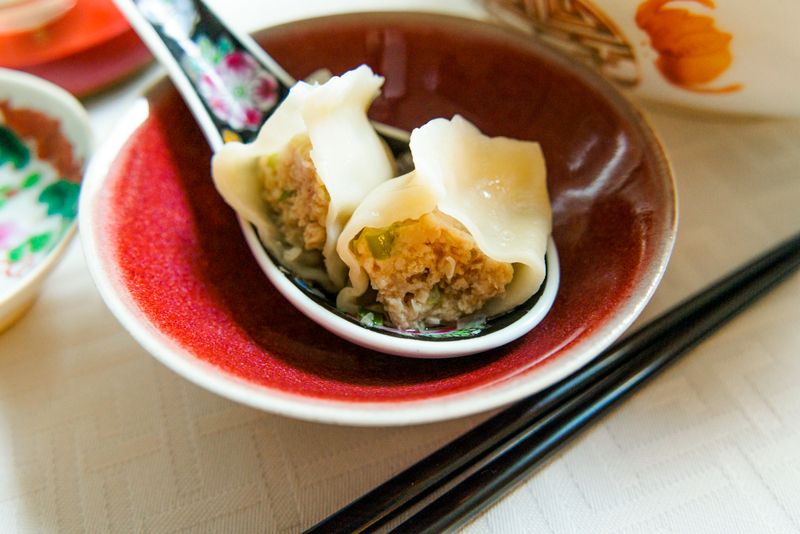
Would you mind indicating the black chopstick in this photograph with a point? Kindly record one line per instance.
(524, 435)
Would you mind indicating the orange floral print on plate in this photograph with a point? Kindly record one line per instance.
(692, 51)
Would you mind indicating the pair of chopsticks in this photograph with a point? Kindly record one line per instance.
(508, 447)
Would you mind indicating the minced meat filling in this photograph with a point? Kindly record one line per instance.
(296, 195)
(430, 271)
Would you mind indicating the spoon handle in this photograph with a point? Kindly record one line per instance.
(229, 83)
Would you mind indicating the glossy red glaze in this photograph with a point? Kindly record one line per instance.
(179, 252)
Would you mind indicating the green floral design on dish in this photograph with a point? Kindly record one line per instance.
(12, 150)
(37, 207)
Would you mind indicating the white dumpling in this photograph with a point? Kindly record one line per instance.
(495, 187)
(347, 153)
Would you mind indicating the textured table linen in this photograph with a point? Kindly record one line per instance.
(97, 436)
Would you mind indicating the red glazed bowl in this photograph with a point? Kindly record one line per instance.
(170, 260)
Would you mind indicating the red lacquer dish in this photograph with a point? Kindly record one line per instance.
(170, 260)
(89, 48)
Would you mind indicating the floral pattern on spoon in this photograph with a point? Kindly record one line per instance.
(233, 85)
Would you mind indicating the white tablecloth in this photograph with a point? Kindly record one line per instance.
(97, 436)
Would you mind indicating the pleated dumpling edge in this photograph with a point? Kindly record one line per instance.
(346, 154)
(494, 186)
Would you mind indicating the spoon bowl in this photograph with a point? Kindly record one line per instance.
(470, 335)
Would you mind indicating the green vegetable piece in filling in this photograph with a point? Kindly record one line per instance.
(435, 296)
(272, 161)
(379, 241)
(286, 195)
(369, 317)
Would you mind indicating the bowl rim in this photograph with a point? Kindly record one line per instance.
(394, 412)
(23, 16)
(48, 98)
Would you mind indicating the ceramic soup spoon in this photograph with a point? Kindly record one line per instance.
(188, 38)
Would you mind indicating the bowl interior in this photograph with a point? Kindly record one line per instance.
(170, 259)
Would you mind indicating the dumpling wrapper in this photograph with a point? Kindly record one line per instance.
(495, 186)
(349, 157)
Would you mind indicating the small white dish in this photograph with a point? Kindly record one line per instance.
(732, 56)
(45, 141)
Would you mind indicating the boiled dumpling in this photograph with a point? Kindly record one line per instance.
(464, 233)
(312, 163)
